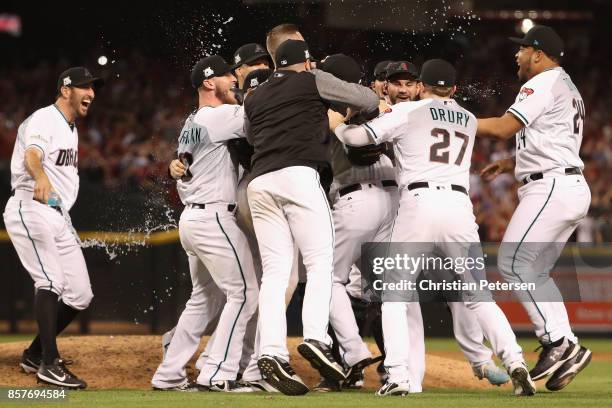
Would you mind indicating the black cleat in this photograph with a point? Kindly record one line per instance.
(354, 376)
(59, 375)
(552, 357)
(569, 370)
(280, 375)
(327, 385)
(30, 362)
(320, 357)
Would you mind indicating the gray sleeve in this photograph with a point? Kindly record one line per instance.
(336, 90)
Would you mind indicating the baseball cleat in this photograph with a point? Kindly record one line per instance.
(552, 357)
(261, 386)
(229, 386)
(59, 375)
(327, 385)
(390, 388)
(185, 387)
(320, 357)
(30, 362)
(280, 375)
(354, 376)
(165, 341)
(494, 374)
(522, 382)
(568, 370)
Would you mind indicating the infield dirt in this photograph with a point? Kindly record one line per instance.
(128, 362)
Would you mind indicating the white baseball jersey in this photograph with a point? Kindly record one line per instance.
(432, 138)
(48, 131)
(552, 110)
(345, 173)
(211, 176)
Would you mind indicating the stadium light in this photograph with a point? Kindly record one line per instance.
(526, 24)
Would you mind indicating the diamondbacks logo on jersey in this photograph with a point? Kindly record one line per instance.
(524, 93)
(67, 157)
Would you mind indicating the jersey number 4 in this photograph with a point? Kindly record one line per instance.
(438, 156)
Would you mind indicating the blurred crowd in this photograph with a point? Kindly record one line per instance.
(130, 135)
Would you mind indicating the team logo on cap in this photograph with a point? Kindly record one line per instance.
(306, 54)
(208, 72)
(441, 83)
(254, 82)
(67, 81)
(237, 59)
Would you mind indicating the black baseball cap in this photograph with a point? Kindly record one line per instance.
(542, 38)
(292, 52)
(207, 68)
(403, 68)
(343, 67)
(78, 77)
(437, 72)
(380, 70)
(256, 78)
(249, 53)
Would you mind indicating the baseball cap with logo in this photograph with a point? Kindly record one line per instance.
(542, 38)
(380, 70)
(256, 78)
(78, 77)
(250, 53)
(437, 72)
(343, 67)
(292, 52)
(207, 68)
(402, 67)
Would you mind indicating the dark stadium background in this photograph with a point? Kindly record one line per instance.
(128, 138)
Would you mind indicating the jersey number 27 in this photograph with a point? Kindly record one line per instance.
(435, 152)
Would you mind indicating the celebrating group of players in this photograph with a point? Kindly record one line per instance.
(284, 174)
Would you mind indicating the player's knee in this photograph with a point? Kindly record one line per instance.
(80, 300)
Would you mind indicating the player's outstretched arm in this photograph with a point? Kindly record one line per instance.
(502, 128)
(351, 135)
(42, 185)
(495, 169)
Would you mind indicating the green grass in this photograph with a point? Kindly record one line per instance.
(592, 388)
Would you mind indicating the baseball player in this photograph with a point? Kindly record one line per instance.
(400, 86)
(45, 184)
(433, 140)
(288, 203)
(547, 120)
(278, 35)
(206, 182)
(380, 78)
(248, 58)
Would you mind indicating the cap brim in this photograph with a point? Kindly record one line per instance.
(517, 40)
(95, 81)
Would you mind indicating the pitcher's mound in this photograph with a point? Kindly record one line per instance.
(107, 362)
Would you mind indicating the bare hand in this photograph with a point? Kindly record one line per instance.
(495, 169)
(335, 119)
(42, 188)
(382, 106)
(177, 169)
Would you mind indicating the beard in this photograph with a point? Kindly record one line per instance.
(226, 96)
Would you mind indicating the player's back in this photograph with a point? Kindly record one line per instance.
(438, 143)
